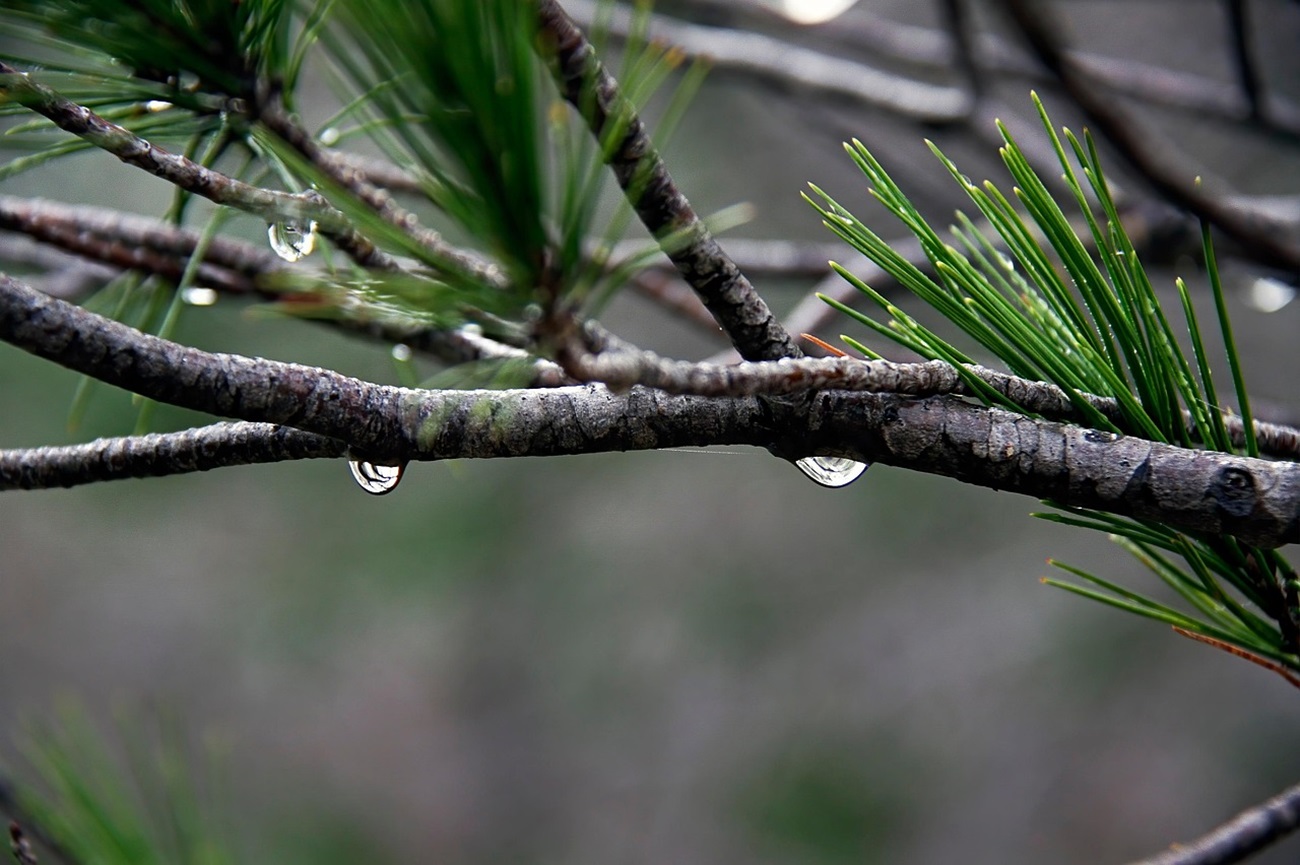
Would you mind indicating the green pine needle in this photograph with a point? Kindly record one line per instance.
(1065, 299)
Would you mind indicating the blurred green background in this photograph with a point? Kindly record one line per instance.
(662, 657)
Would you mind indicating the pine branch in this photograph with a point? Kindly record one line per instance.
(381, 201)
(620, 368)
(1197, 491)
(231, 266)
(737, 307)
(186, 174)
(1244, 835)
(136, 243)
(161, 454)
(53, 221)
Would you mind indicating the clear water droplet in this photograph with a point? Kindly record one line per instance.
(153, 106)
(329, 136)
(292, 240)
(1269, 295)
(832, 471)
(401, 352)
(1007, 262)
(198, 296)
(376, 478)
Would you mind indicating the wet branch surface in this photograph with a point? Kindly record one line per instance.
(1200, 491)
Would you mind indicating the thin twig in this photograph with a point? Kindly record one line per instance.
(380, 200)
(230, 266)
(1244, 835)
(932, 48)
(194, 450)
(1243, 57)
(738, 308)
(960, 26)
(186, 174)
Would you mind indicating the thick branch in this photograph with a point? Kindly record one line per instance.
(1244, 835)
(620, 368)
(640, 171)
(1195, 491)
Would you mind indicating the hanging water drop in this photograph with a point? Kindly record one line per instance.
(292, 239)
(376, 478)
(832, 471)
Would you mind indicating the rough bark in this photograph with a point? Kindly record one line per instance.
(1198, 491)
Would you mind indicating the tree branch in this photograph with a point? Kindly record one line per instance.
(449, 258)
(231, 266)
(188, 175)
(739, 310)
(1197, 491)
(1249, 832)
(160, 454)
(619, 367)
(1162, 167)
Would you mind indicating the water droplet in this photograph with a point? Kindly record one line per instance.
(196, 296)
(329, 136)
(1101, 436)
(1269, 295)
(810, 11)
(291, 240)
(832, 471)
(401, 352)
(1007, 262)
(153, 106)
(376, 478)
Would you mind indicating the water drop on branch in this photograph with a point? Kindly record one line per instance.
(832, 471)
(292, 240)
(376, 478)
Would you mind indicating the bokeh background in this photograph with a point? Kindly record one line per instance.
(663, 657)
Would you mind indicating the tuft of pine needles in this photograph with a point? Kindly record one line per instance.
(141, 795)
(1075, 307)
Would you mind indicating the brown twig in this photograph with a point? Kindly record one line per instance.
(1241, 837)
(446, 257)
(732, 300)
(186, 174)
